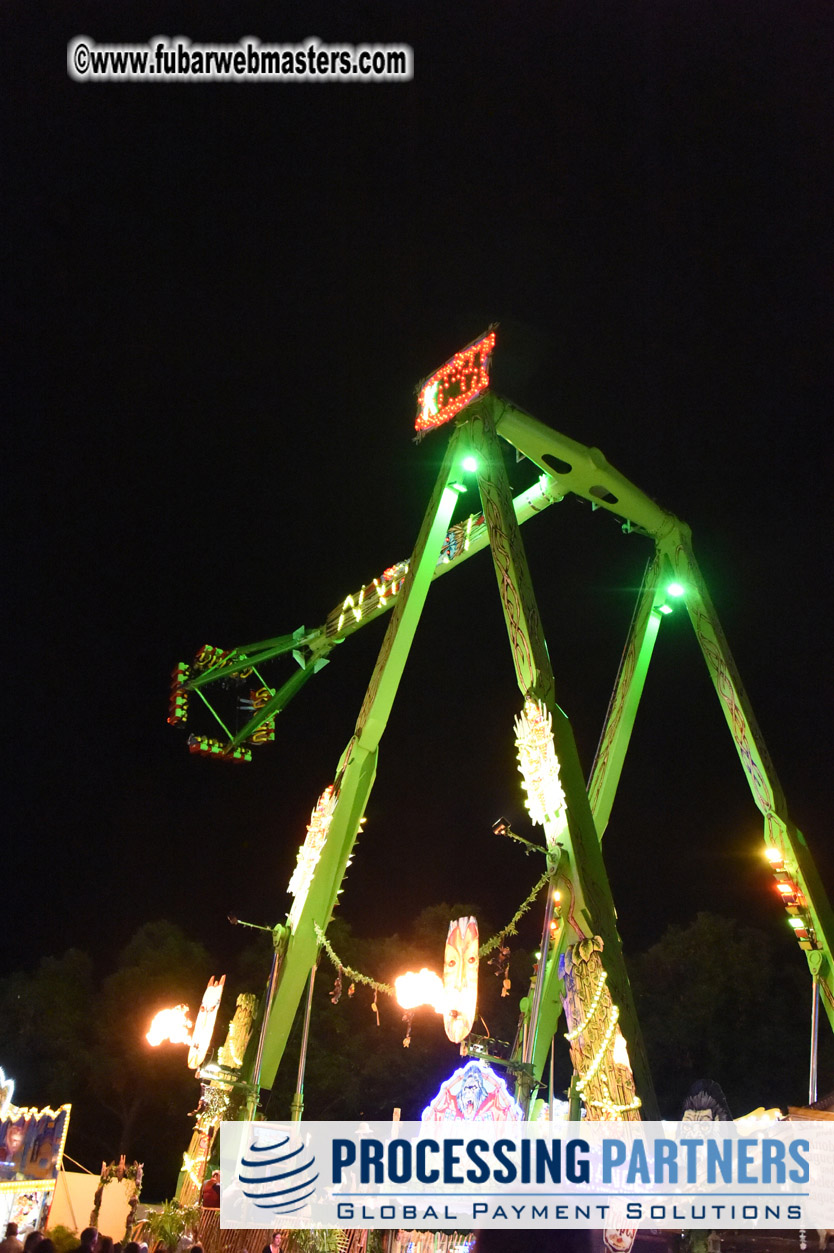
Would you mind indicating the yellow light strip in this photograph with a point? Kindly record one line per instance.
(603, 1048)
(27, 1185)
(610, 1108)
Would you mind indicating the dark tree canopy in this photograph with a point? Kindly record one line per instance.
(721, 1001)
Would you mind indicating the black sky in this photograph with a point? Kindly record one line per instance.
(219, 299)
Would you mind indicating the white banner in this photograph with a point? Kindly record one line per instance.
(467, 1175)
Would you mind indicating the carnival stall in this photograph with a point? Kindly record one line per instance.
(31, 1149)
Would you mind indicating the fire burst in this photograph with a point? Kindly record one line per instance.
(172, 1026)
(423, 988)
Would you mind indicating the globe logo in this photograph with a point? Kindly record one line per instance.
(289, 1169)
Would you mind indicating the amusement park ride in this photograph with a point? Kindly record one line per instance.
(581, 968)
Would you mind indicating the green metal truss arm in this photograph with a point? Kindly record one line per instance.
(357, 769)
(590, 909)
(250, 656)
(371, 600)
(311, 648)
(581, 470)
(463, 540)
(277, 702)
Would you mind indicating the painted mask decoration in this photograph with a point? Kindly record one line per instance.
(201, 1035)
(460, 978)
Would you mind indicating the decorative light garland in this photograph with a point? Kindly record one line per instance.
(539, 767)
(608, 1106)
(604, 1048)
(483, 951)
(511, 926)
(310, 851)
(592, 1008)
(355, 975)
(599, 1057)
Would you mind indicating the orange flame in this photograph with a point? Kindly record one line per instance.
(425, 988)
(172, 1026)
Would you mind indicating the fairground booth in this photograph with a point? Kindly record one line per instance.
(31, 1149)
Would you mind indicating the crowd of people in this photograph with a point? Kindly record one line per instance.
(90, 1241)
(34, 1240)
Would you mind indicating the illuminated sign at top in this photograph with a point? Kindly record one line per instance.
(455, 385)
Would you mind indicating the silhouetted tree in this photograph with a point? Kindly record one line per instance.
(721, 1001)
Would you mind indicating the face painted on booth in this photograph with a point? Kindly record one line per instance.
(460, 978)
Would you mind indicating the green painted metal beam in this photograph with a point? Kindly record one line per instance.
(316, 645)
(779, 830)
(248, 657)
(622, 709)
(357, 769)
(468, 537)
(277, 702)
(581, 871)
(585, 472)
(581, 470)
(567, 466)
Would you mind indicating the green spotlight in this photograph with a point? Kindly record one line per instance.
(470, 464)
(676, 589)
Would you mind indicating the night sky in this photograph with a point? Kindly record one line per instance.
(219, 300)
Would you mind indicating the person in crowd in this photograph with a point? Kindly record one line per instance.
(131, 1247)
(275, 1243)
(88, 1241)
(46, 1246)
(105, 1244)
(210, 1195)
(32, 1241)
(11, 1244)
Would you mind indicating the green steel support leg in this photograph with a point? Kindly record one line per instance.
(581, 868)
(357, 769)
(779, 831)
(622, 711)
(585, 471)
